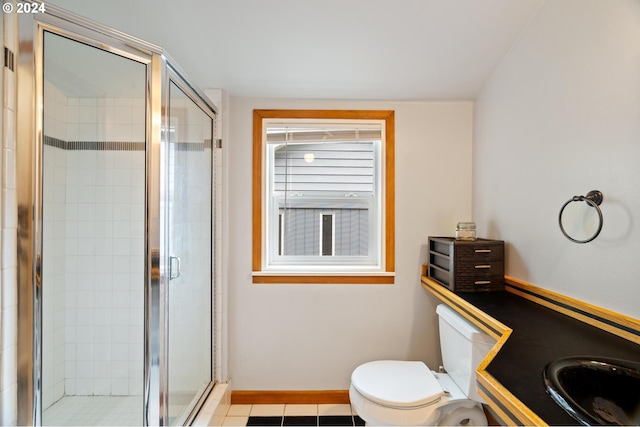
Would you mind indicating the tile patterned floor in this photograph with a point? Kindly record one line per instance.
(125, 411)
(291, 415)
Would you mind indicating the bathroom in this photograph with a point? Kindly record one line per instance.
(556, 117)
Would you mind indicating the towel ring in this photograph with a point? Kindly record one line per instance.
(593, 199)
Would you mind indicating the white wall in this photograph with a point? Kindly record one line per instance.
(560, 117)
(310, 337)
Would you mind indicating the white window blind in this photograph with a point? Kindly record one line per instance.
(333, 166)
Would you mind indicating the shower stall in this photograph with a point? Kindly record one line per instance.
(117, 246)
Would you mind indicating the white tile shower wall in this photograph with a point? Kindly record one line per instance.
(55, 118)
(8, 229)
(95, 229)
(54, 224)
(53, 268)
(105, 272)
(106, 119)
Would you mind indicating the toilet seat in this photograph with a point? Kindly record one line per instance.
(397, 384)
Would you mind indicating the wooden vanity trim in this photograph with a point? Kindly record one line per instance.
(508, 408)
(615, 323)
(504, 405)
(496, 410)
(483, 321)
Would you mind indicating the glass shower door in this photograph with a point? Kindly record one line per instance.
(190, 235)
(93, 210)
(114, 193)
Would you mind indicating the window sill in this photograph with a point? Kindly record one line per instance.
(351, 278)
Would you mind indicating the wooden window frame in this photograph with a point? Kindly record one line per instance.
(385, 277)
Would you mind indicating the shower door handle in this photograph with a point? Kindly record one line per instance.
(174, 267)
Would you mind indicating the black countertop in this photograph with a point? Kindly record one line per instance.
(541, 335)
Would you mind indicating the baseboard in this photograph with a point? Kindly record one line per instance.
(291, 397)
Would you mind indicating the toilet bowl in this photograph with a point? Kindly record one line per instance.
(393, 392)
(396, 392)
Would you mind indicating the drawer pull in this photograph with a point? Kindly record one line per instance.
(483, 251)
(482, 282)
(484, 266)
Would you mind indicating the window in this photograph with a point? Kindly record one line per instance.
(323, 196)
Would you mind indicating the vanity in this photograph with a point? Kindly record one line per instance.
(533, 327)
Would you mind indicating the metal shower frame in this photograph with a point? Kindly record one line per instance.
(160, 72)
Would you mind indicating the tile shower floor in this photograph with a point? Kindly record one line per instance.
(94, 411)
(291, 415)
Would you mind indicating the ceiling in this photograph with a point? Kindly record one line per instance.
(326, 49)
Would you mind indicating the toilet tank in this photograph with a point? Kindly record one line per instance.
(463, 347)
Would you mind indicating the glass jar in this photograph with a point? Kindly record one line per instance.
(466, 231)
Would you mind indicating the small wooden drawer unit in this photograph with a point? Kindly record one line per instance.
(467, 265)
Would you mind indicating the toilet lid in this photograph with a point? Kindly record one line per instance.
(396, 383)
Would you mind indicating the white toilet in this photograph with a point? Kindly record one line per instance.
(394, 392)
